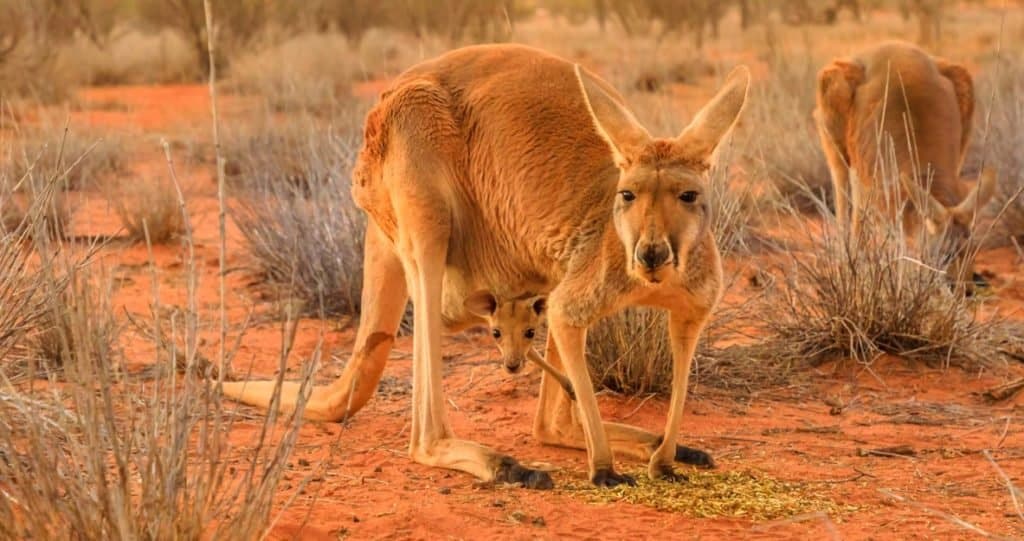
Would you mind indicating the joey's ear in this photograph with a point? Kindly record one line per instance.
(540, 304)
(481, 303)
(614, 123)
(700, 139)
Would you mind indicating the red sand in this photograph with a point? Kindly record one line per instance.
(365, 486)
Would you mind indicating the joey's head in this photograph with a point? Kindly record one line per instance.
(955, 224)
(514, 324)
(661, 205)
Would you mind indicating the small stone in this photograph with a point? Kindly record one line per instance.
(378, 469)
(498, 503)
(304, 463)
(539, 522)
(444, 490)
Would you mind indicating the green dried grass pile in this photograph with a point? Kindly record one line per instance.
(714, 494)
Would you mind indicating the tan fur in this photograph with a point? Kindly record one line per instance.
(501, 167)
(894, 95)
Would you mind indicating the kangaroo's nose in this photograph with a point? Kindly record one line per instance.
(653, 255)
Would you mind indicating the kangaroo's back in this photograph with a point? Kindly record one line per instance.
(532, 175)
(906, 99)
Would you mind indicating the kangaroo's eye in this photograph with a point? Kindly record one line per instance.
(496, 333)
(688, 197)
(529, 333)
(627, 195)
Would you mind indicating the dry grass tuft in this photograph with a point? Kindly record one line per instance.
(148, 208)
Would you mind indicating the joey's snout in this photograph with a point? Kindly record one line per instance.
(513, 364)
(652, 255)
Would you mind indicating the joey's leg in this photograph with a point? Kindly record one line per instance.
(383, 302)
(684, 331)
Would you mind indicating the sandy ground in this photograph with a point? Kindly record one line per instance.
(357, 482)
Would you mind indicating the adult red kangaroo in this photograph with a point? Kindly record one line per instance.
(505, 168)
(893, 95)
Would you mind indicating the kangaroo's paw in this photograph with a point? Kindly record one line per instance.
(664, 472)
(511, 471)
(606, 477)
(695, 457)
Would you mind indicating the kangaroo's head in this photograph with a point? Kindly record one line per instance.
(954, 224)
(514, 324)
(661, 208)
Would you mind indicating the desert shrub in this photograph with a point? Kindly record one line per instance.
(29, 31)
(129, 56)
(149, 208)
(879, 293)
(1001, 109)
(104, 455)
(294, 207)
(310, 72)
(240, 24)
(78, 158)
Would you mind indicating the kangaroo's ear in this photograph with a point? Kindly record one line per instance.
(700, 139)
(978, 197)
(539, 304)
(614, 123)
(481, 303)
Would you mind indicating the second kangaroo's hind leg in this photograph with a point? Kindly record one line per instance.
(383, 302)
(420, 172)
(837, 83)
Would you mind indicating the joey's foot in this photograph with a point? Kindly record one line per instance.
(664, 472)
(606, 477)
(695, 457)
(511, 471)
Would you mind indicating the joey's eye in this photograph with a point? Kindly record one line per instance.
(496, 333)
(529, 333)
(688, 196)
(627, 195)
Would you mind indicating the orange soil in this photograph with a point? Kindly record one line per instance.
(364, 485)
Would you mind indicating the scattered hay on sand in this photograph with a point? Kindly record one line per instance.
(711, 494)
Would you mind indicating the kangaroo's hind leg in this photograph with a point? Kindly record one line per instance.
(383, 302)
(420, 176)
